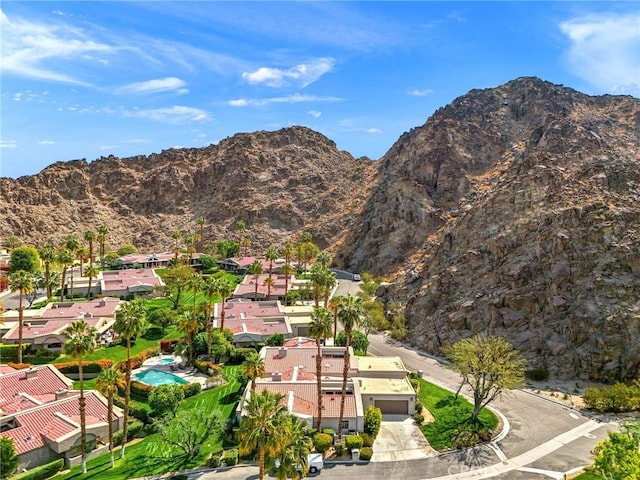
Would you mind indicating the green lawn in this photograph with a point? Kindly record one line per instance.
(118, 353)
(152, 456)
(450, 416)
(588, 476)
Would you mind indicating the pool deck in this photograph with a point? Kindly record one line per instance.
(190, 374)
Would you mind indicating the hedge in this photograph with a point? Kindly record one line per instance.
(191, 389)
(9, 352)
(203, 366)
(43, 471)
(366, 453)
(141, 389)
(367, 440)
(614, 398)
(134, 427)
(167, 346)
(87, 366)
(322, 442)
(137, 360)
(215, 460)
(353, 441)
(136, 409)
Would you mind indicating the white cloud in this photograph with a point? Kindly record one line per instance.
(29, 48)
(137, 140)
(420, 93)
(8, 144)
(159, 85)
(295, 98)
(314, 113)
(604, 50)
(373, 130)
(17, 97)
(175, 114)
(46, 142)
(303, 74)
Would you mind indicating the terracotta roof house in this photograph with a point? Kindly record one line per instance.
(246, 288)
(252, 322)
(41, 414)
(240, 265)
(43, 327)
(145, 260)
(377, 381)
(116, 283)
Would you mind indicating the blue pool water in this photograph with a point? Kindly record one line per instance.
(158, 377)
(166, 361)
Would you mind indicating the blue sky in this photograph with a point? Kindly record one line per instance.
(90, 79)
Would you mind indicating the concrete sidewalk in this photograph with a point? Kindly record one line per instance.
(400, 439)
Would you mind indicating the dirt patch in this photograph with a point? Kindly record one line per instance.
(566, 392)
(427, 416)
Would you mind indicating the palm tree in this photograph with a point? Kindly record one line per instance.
(240, 227)
(255, 269)
(201, 222)
(271, 255)
(48, 256)
(295, 455)
(188, 323)
(318, 278)
(130, 322)
(324, 258)
(65, 258)
(287, 271)
(252, 368)
(189, 241)
(263, 427)
(22, 282)
(224, 289)
(245, 243)
(91, 272)
(80, 341)
(334, 304)
(108, 382)
(176, 235)
(329, 283)
(82, 254)
(287, 252)
(210, 287)
(269, 282)
(90, 237)
(320, 328)
(103, 233)
(349, 315)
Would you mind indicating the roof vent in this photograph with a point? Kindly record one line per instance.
(31, 373)
(282, 352)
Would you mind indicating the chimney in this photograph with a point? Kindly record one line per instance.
(61, 393)
(276, 377)
(103, 303)
(31, 373)
(282, 352)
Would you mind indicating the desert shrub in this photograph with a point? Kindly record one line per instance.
(372, 420)
(239, 356)
(215, 460)
(275, 340)
(418, 418)
(537, 374)
(465, 438)
(43, 471)
(419, 406)
(167, 346)
(230, 457)
(322, 442)
(367, 440)
(614, 398)
(329, 431)
(353, 441)
(366, 453)
(191, 389)
(134, 427)
(339, 449)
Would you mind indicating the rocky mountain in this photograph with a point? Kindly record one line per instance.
(516, 211)
(279, 183)
(513, 211)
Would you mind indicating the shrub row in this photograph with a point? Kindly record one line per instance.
(615, 398)
(134, 428)
(8, 352)
(322, 442)
(19, 366)
(353, 441)
(207, 367)
(239, 355)
(230, 457)
(191, 389)
(87, 366)
(137, 360)
(141, 389)
(43, 471)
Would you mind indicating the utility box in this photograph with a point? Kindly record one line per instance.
(355, 454)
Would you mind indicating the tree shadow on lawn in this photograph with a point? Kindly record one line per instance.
(151, 464)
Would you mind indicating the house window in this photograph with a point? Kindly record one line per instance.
(344, 425)
(54, 345)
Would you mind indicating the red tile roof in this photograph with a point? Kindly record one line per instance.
(299, 342)
(258, 326)
(6, 369)
(242, 308)
(41, 387)
(117, 280)
(295, 357)
(42, 425)
(305, 397)
(100, 307)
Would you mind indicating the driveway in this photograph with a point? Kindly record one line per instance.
(400, 438)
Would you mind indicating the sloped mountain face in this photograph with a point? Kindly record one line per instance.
(279, 183)
(515, 211)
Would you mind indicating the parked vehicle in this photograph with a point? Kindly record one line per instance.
(315, 461)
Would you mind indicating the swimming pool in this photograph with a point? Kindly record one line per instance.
(166, 361)
(158, 377)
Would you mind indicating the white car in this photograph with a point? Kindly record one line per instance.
(356, 277)
(314, 460)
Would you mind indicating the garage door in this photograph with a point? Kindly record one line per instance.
(303, 331)
(393, 406)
